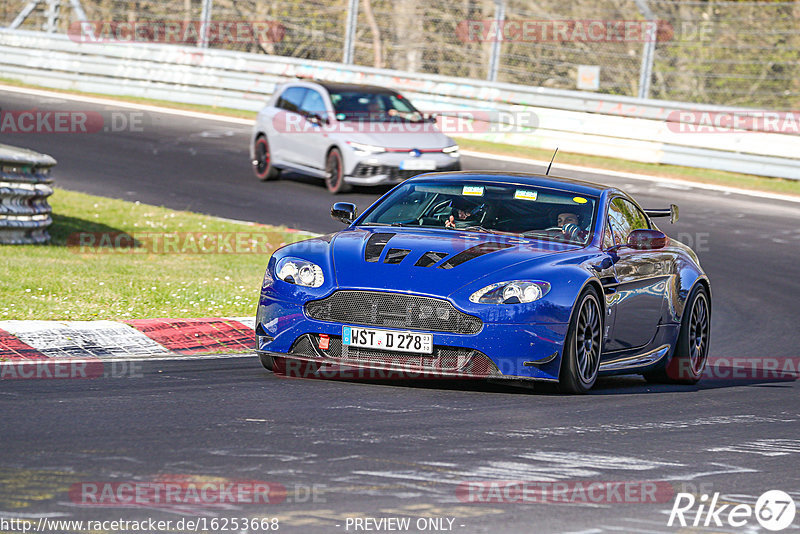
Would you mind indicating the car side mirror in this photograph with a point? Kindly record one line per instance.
(317, 120)
(647, 239)
(671, 212)
(344, 212)
(607, 263)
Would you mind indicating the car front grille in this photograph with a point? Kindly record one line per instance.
(443, 359)
(395, 310)
(364, 170)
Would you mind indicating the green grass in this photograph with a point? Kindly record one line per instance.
(63, 281)
(730, 179)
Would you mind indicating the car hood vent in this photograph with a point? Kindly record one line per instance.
(396, 255)
(375, 245)
(474, 252)
(430, 258)
(419, 270)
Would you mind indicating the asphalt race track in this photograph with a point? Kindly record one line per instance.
(350, 449)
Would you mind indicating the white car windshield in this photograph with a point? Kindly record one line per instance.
(523, 210)
(373, 107)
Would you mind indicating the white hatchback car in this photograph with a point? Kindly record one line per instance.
(347, 135)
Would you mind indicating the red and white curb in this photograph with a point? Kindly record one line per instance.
(142, 338)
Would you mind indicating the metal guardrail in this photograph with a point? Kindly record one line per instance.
(574, 121)
(25, 184)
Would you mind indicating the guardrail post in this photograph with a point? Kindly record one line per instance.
(53, 11)
(350, 32)
(27, 10)
(86, 29)
(648, 50)
(26, 184)
(648, 53)
(494, 59)
(205, 18)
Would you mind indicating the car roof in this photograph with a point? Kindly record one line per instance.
(338, 86)
(538, 180)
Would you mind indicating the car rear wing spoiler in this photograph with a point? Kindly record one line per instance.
(671, 212)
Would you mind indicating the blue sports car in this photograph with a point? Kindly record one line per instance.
(490, 275)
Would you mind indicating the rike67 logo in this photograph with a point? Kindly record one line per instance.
(774, 510)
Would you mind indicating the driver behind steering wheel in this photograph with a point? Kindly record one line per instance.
(571, 225)
(464, 213)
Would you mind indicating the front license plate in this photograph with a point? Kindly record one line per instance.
(355, 336)
(417, 165)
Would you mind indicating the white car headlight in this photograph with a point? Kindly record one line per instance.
(451, 151)
(300, 272)
(363, 150)
(513, 292)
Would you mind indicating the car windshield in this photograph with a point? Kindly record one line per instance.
(373, 107)
(523, 210)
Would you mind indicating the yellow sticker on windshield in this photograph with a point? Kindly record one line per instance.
(525, 194)
(579, 200)
(474, 190)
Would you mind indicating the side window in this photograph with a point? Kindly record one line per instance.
(624, 217)
(313, 104)
(401, 104)
(608, 237)
(291, 99)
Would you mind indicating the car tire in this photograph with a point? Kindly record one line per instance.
(263, 167)
(691, 350)
(580, 360)
(267, 361)
(334, 170)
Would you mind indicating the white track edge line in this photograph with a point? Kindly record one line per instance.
(131, 105)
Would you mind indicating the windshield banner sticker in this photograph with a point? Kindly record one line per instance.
(474, 190)
(525, 194)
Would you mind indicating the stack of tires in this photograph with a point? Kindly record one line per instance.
(25, 184)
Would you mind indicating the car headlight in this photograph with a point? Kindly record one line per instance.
(513, 292)
(451, 151)
(364, 150)
(299, 272)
